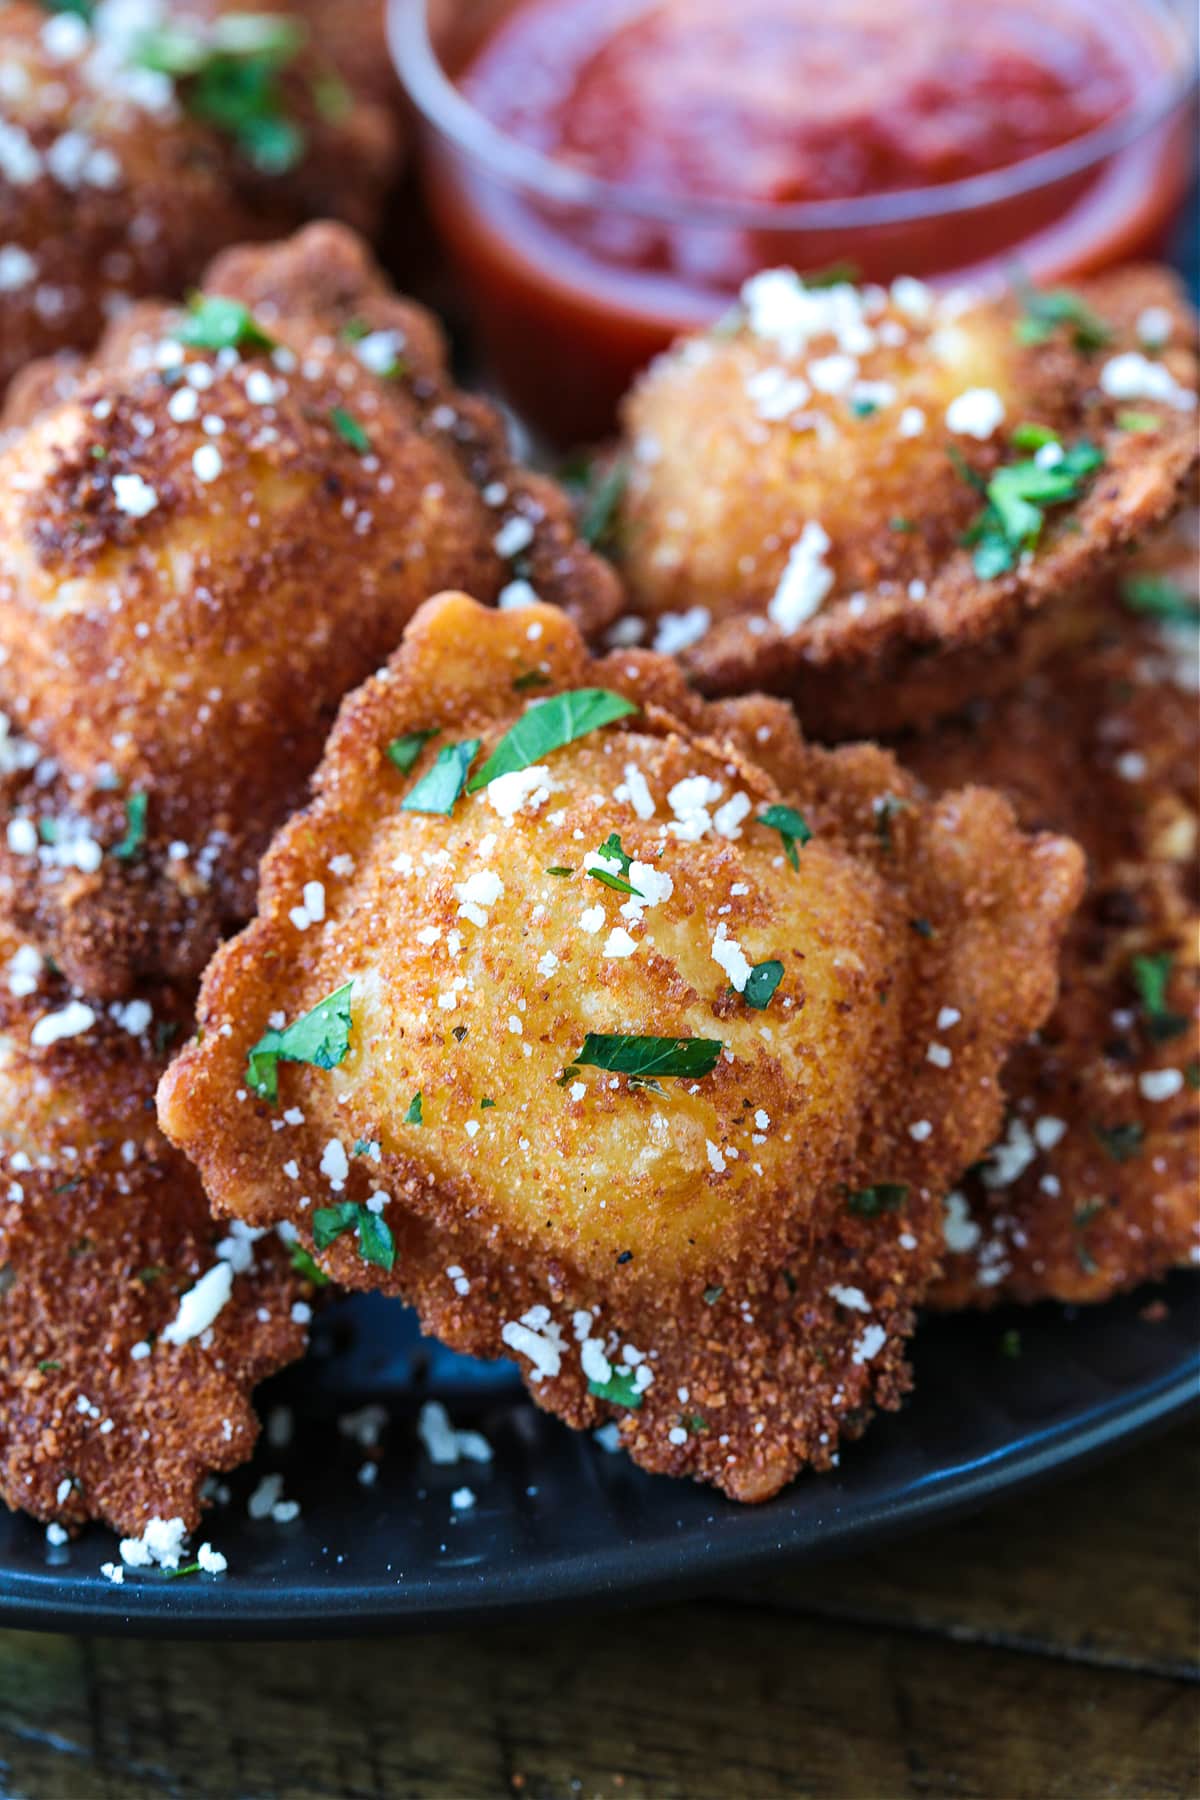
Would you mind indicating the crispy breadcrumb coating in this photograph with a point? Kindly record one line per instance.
(119, 180)
(201, 551)
(800, 483)
(1095, 1185)
(104, 1229)
(722, 1241)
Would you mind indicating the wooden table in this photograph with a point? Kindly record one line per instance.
(1047, 1648)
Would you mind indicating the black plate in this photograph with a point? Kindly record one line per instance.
(557, 1519)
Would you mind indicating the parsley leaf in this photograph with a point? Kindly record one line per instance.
(1159, 599)
(1017, 498)
(836, 274)
(648, 1057)
(618, 1391)
(320, 1038)
(791, 826)
(613, 851)
(404, 751)
(304, 1265)
(1043, 313)
(135, 829)
(375, 1242)
(1122, 1142)
(761, 983)
(414, 1114)
(884, 1197)
(599, 513)
(349, 430)
(227, 75)
(712, 1295)
(217, 323)
(439, 787)
(1138, 421)
(1152, 977)
(548, 726)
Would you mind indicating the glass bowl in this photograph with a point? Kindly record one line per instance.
(574, 283)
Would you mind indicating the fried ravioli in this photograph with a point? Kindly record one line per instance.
(132, 1327)
(801, 481)
(137, 143)
(203, 545)
(603, 1061)
(1095, 1185)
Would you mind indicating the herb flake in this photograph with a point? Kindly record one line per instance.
(792, 827)
(375, 1242)
(214, 322)
(549, 726)
(440, 786)
(320, 1038)
(404, 751)
(135, 828)
(649, 1057)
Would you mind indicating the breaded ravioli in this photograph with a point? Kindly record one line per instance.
(1095, 1183)
(567, 1021)
(884, 503)
(137, 140)
(207, 536)
(133, 1328)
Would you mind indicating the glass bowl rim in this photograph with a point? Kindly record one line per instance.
(442, 106)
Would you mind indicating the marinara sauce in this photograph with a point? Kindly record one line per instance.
(757, 105)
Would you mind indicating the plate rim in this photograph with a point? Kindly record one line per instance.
(623, 1573)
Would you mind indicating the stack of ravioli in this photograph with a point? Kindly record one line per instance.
(667, 951)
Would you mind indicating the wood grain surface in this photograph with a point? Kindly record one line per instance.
(1047, 1648)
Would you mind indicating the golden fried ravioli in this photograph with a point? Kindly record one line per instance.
(206, 538)
(132, 1327)
(885, 503)
(567, 1021)
(139, 140)
(1095, 1183)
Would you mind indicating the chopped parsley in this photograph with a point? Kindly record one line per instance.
(883, 1197)
(599, 511)
(215, 322)
(47, 1366)
(1123, 1142)
(375, 1242)
(649, 1057)
(559, 869)
(922, 927)
(1030, 436)
(135, 829)
(863, 409)
(304, 1265)
(485, 1103)
(365, 1147)
(618, 1391)
(1018, 497)
(349, 430)
(1044, 313)
(761, 983)
(228, 76)
(414, 1115)
(791, 826)
(1010, 1343)
(192, 1568)
(901, 524)
(404, 751)
(532, 678)
(1138, 421)
(439, 787)
(1091, 1209)
(712, 1295)
(1159, 598)
(886, 808)
(613, 851)
(549, 725)
(1152, 978)
(836, 274)
(320, 1038)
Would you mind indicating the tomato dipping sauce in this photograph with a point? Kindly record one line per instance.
(702, 140)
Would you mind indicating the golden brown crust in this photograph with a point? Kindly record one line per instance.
(1095, 1186)
(722, 487)
(197, 560)
(114, 192)
(103, 1226)
(704, 1223)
